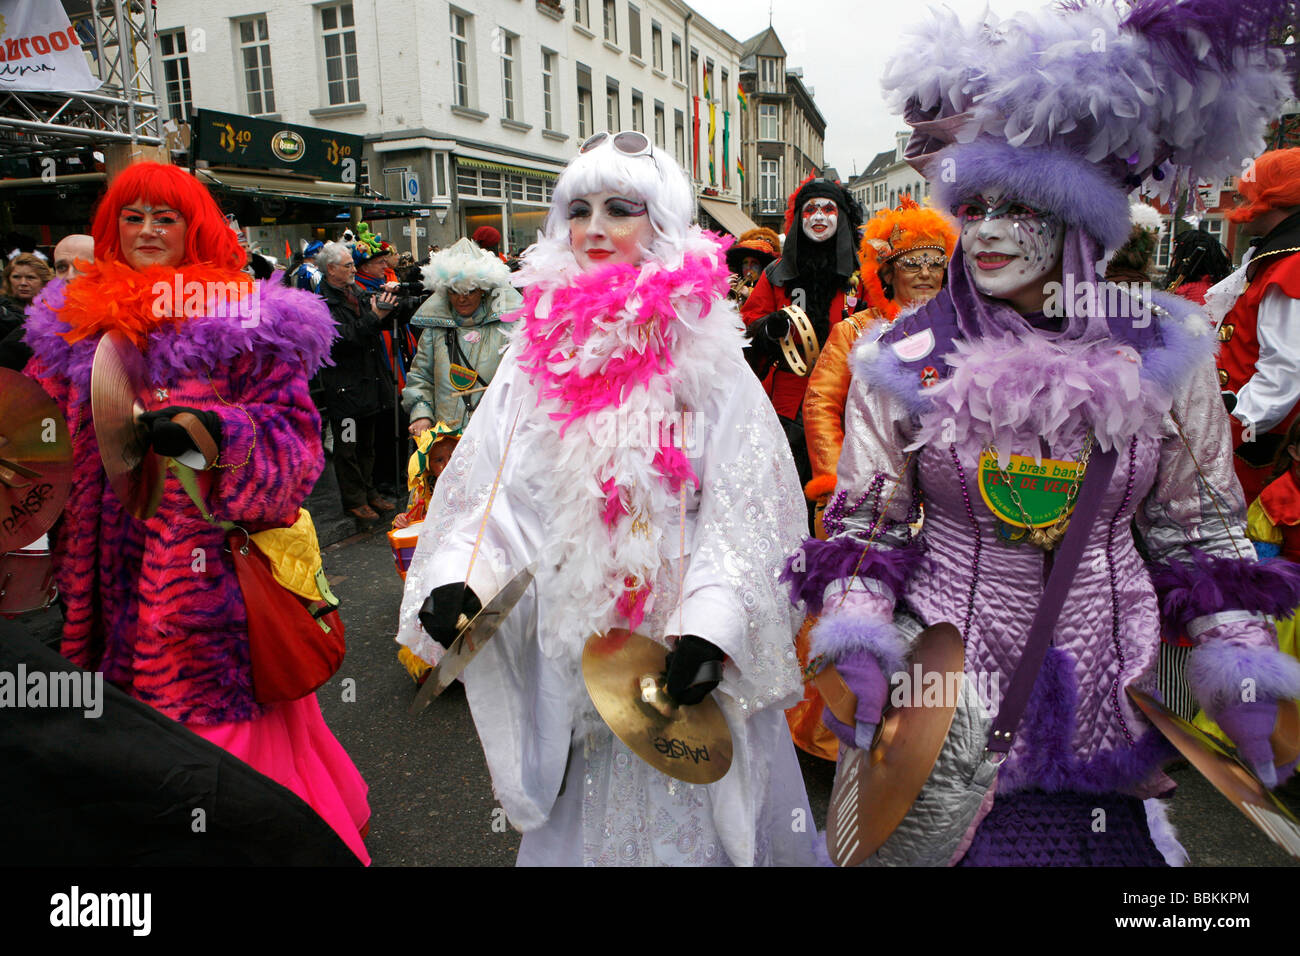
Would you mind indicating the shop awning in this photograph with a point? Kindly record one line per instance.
(505, 168)
(729, 215)
(308, 191)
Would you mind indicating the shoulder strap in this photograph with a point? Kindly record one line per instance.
(1064, 565)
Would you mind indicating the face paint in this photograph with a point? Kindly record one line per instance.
(1010, 248)
(607, 228)
(821, 217)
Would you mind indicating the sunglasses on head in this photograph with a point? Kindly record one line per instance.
(628, 142)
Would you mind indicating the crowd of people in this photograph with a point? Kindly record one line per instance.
(862, 395)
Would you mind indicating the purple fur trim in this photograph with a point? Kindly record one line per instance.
(1210, 584)
(1047, 727)
(837, 635)
(1163, 834)
(825, 562)
(881, 368)
(290, 326)
(1056, 179)
(1215, 672)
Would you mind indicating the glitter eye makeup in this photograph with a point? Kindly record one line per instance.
(579, 209)
(625, 207)
(814, 206)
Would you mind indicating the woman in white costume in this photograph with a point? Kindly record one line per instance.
(623, 394)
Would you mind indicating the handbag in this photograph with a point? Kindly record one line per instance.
(976, 745)
(295, 634)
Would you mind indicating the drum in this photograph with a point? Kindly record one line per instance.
(402, 541)
(27, 579)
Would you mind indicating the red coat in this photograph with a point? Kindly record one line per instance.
(1239, 355)
(785, 389)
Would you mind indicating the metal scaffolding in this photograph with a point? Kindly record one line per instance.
(118, 37)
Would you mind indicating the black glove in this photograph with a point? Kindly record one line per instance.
(692, 669)
(1229, 401)
(767, 332)
(169, 439)
(441, 611)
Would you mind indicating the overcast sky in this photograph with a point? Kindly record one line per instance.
(843, 46)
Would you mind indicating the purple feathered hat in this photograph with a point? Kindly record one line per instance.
(1074, 106)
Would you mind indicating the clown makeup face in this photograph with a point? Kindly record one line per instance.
(1011, 249)
(607, 228)
(750, 268)
(151, 236)
(821, 217)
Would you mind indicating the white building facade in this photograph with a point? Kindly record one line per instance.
(477, 104)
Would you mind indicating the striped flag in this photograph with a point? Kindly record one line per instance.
(744, 100)
(740, 169)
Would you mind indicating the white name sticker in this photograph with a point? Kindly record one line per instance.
(915, 346)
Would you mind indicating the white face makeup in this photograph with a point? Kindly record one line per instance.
(821, 217)
(607, 228)
(1010, 248)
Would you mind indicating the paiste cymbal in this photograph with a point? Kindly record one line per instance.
(35, 461)
(1219, 763)
(119, 394)
(875, 789)
(690, 743)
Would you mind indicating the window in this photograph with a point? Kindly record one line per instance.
(769, 186)
(769, 121)
(677, 59)
(548, 89)
(581, 13)
(611, 22)
(726, 91)
(695, 71)
(657, 46)
(509, 104)
(338, 30)
(176, 74)
(460, 83)
(769, 74)
(660, 140)
(612, 121)
(585, 119)
(679, 137)
(638, 112)
(255, 55)
(634, 31)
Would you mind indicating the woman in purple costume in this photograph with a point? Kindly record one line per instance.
(1028, 360)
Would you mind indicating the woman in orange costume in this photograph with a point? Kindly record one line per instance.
(904, 253)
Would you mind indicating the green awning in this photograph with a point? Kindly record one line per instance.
(502, 167)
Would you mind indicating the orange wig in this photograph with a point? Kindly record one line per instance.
(1273, 182)
(208, 239)
(891, 233)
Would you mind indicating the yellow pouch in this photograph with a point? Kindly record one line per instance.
(294, 556)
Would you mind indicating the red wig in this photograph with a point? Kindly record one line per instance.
(1275, 184)
(208, 238)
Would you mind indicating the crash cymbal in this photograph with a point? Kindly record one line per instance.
(35, 461)
(623, 671)
(1219, 763)
(119, 395)
(875, 789)
(471, 638)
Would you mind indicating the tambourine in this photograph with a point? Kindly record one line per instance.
(802, 357)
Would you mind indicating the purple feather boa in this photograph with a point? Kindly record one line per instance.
(819, 564)
(1208, 584)
(1216, 672)
(291, 326)
(881, 368)
(836, 636)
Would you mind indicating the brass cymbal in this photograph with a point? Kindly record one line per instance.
(1219, 763)
(623, 672)
(119, 394)
(875, 789)
(35, 461)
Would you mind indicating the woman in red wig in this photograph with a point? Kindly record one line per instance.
(154, 604)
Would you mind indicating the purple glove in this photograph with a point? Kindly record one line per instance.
(1250, 725)
(861, 672)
